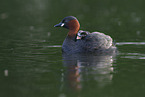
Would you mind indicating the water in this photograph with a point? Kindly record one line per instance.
(31, 61)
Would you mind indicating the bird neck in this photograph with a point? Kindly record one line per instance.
(72, 33)
(74, 27)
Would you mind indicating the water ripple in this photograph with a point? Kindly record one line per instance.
(54, 46)
(131, 43)
(133, 55)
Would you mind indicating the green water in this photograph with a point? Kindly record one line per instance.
(31, 61)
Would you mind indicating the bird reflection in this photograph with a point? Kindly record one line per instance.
(82, 68)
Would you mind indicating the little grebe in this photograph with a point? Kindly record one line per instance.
(78, 41)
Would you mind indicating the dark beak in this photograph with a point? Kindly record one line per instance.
(58, 25)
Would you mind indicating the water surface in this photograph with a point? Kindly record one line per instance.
(31, 61)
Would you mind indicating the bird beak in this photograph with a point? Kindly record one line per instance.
(59, 25)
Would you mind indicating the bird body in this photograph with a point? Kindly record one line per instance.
(79, 41)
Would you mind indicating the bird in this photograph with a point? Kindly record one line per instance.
(79, 41)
